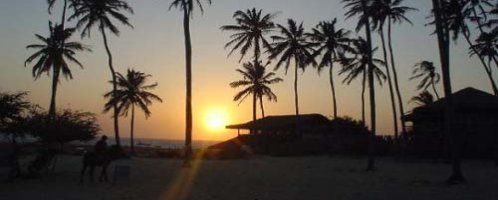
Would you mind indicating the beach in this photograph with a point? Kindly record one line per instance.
(262, 178)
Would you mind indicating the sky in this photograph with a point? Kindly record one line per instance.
(155, 46)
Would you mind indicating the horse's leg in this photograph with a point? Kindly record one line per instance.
(106, 178)
(92, 167)
(82, 172)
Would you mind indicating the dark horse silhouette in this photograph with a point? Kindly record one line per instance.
(92, 160)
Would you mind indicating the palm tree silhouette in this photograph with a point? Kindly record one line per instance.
(441, 20)
(485, 48)
(187, 6)
(362, 9)
(390, 11)
(250, 31)
(458, 13)
(357, 66)
(426, 71)
(53, 56)
(100, 12)
(291, 44)
(256, 82)
(132, 90)
(331, 43)
(422, 99)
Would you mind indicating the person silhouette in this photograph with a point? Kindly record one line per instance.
(100, 147)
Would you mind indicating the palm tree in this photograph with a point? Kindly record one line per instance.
(423, 99)
(390, 11)
(53, 56)
(357, 66)
(458, 13)
(485, 48)
(291, 44)
(250, 31)
(361, 8)
(429, 77)
(256, 82)
(132, 91)
(443, 36)
(331, 43)
(187, 6)
(100, 12)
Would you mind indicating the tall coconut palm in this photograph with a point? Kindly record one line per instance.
(422, 99)
(187, 6)
(132, 91)
(51, 55)
(426, 71)
(290, 45)
(256, 81)
(459, 12)
(250, 31)
(390, 11)
(331, 43)
(362, 9)
(357, 66)
(443, 37)
(90, 13)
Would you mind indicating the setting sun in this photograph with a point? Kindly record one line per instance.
(215, 119)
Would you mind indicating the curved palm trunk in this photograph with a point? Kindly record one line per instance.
(363, 87)
(132, 129)
(389, 81)
(396, 82)
(486, 67)
(114, 88)
(262, 107)
(55, 82)
(434, 89)
(444, 54)
(296, 97)
(371, 87)
(188, 101)
(332, 87)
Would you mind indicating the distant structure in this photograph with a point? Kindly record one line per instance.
(476, 119)
(307, 124)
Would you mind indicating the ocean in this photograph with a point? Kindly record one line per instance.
(163, 143)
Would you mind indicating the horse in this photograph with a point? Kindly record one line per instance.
(92, 160)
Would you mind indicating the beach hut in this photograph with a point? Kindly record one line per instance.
(308, 124)
(475, 115)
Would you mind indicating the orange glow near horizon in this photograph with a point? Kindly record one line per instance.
(215, 119)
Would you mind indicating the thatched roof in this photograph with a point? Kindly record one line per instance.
(283, 122)
(465, 100)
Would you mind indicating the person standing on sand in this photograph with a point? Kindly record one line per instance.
(100, 147)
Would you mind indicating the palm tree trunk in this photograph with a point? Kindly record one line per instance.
(332, 87)
(63, 20)
(396, 82)
(371, 87)
(55, 82)
(262, 107)
(296, 97)
(363, 87)
(132, 129)
(114, 88)
(434, 89)
(254, 100)
(188, 105)
(443, 42)
(389, 81)
(486, 67)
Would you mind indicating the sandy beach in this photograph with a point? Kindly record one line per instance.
(262, 178)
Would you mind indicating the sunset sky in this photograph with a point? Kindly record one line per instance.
(156, 46)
